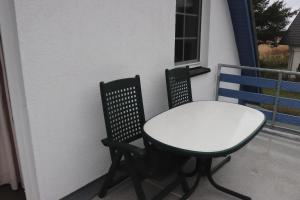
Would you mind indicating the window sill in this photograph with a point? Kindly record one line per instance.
(196, 71)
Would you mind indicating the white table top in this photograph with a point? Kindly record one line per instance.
(206, 127)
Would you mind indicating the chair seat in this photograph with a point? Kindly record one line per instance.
(159, 164)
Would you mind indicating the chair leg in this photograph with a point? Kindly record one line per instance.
(184, 184)
(169, 188)
(135, 179)
(110, 175)
(220, 164)
(138, 187)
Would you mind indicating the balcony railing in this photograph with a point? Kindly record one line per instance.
(279, 83)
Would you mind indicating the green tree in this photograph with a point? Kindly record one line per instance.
(271, 18)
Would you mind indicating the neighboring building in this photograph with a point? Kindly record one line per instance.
(56, 52)
(292, 38)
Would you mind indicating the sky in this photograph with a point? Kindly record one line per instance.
(291, 3)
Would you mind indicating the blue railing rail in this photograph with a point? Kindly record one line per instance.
(260, 99)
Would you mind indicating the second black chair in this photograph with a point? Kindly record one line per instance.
(180, 92)
(178, 86)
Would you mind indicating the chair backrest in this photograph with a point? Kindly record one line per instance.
(123, 109)
(178, 86)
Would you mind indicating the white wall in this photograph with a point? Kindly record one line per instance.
(8, 30)
(221, 47)
(67, 47)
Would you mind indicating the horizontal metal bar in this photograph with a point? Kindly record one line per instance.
(288, 119)
(187, 14)
(247, 96)
(186, 38)
(290, 86)
(260, 69)
(283, 129)
(285, 135)
(248, 80)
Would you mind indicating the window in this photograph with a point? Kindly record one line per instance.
(187, 36)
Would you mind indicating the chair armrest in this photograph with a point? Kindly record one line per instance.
(124, 147)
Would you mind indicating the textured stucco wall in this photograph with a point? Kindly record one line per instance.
(67, 47)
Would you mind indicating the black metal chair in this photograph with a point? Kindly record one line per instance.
(124, 119)
(178, 86)
(180, 92)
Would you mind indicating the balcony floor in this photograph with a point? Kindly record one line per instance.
(267, 168)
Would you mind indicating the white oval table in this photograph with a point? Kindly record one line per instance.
(205, 129)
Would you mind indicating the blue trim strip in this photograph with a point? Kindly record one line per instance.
(289, 119)
(290, 86)
(290, 103)
(244, 33)
(247, 96)
(248, 80)
(268, 114)
(242, 21)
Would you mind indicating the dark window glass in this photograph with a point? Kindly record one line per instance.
(187, 35)
(178, 50)
(192, 6)
(180, 6)
(191, 26)
(179, 25)
(190, 49)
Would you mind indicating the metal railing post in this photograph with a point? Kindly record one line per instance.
(277, 96)
(218, 82)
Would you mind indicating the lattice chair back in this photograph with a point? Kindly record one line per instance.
(178, 86)
(123, 109)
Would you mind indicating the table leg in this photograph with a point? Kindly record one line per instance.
(219, 187)
(220, 164)
(195, 171)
